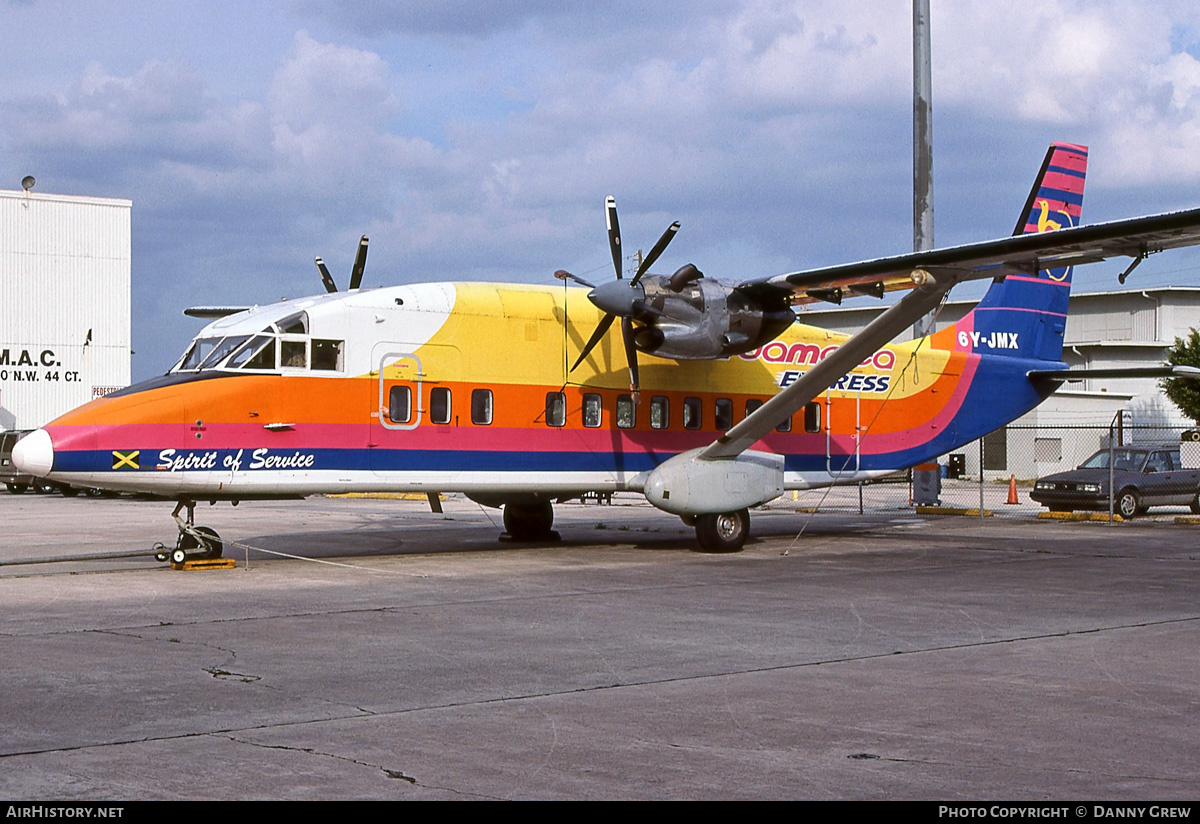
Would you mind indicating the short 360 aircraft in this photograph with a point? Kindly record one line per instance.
(516, 395)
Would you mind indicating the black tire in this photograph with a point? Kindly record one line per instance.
(529, 522)
(726, 532)
(213, 546)
(1127, 504)
(68, 491)
(212, 543)
(18, 489)
(212, 540)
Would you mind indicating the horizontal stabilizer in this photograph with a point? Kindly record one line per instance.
(213, 311)
(1116, 372)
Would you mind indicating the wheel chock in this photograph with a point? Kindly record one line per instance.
(205, 563)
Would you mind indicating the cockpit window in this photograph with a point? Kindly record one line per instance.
(327, 355)
(222, 350)
(293, 354)
(259, 353)
(296, 324)
(199, 351)
(281, 345)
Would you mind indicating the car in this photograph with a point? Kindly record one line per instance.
(1143, 476)
(16, 481)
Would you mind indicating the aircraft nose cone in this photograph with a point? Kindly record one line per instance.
(34, 454)
(617, 297)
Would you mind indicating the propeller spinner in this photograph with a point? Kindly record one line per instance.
(620, 298)
(356, 274)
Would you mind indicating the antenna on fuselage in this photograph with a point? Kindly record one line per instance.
(356, 274)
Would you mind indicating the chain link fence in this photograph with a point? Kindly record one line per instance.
(1000, 471)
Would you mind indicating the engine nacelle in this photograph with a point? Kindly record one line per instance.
(705, 319)
(689, 485)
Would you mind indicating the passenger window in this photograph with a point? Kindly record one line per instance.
(812, 417)
(593, 411)
(556, 409)
(752, 406)
(293, 354)
(693, 413)
(660, 412)
(399, 404)
(724, 414)
(481, 406)
(439, 405)
(327, 355)
(626, 412)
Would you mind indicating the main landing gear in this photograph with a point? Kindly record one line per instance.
(194, 542)
(529, 522)
(723, 532)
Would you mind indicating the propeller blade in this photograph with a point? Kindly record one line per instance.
(326, 278)
(631, 358)
(563, 274)
(605, 322)
(614, 232)
(648, 261)
(360, 263)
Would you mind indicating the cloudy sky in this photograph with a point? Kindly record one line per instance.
(477, 139)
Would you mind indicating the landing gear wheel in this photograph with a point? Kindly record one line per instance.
(212, 541)
(17, 489)
(68, 491)
(725, 532)
(210, 545)
(529, 522)
(1127, 504)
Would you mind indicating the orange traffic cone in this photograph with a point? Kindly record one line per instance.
(1012, 489)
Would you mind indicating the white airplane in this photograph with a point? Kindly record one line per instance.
(516, 395)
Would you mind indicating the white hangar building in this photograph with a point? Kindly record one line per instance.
(1127, 327)
(64, 303)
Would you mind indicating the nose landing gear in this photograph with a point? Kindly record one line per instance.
(194, 542)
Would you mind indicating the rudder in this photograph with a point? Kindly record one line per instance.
(1025, 315)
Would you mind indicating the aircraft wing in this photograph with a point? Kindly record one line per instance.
(932, 274)
(1028, 253)
(926, 295)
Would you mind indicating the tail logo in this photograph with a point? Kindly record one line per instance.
(1045, 224)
